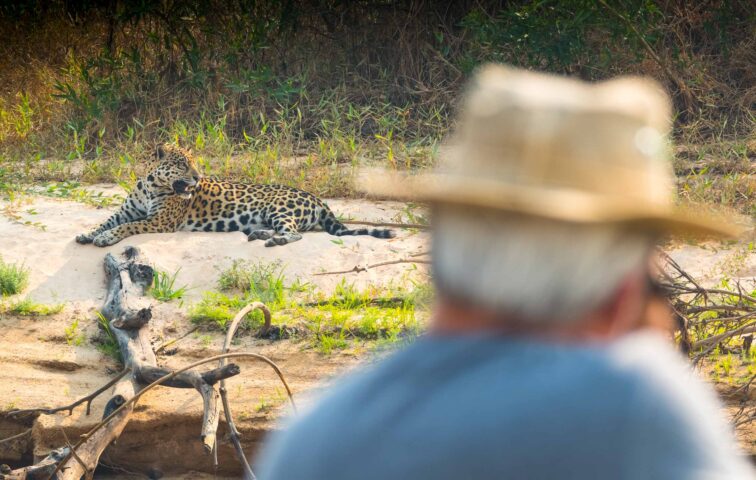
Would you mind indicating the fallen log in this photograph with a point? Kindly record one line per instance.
(130, 403)
(128, 314)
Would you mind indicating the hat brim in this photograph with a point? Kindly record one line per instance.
(557, 204)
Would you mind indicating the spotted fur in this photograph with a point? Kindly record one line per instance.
(175, 197)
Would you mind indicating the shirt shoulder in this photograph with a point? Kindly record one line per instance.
(633, 408)
(679, 426)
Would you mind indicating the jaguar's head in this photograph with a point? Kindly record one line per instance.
(176, 171)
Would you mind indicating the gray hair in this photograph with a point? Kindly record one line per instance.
(538, 271)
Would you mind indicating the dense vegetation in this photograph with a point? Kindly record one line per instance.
(88, 86)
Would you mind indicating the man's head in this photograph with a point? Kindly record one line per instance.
(548, 201)
(542, 273)
(548, 279)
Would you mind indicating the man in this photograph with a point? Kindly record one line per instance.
(543, 357)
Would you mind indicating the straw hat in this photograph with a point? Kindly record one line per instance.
(560, 149)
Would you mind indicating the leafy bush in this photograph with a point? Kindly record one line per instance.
(560, 36)
(289, 76)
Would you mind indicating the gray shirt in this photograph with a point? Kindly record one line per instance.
(479, 407)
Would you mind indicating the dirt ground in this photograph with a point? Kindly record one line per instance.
(38, 366)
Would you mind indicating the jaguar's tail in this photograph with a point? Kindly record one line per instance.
(332, 225)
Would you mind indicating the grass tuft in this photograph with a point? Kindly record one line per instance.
(74, 337)
(106, 343)
(163, 286)
(216, 309)
(29, 308)
(14, 278)
(263, 282)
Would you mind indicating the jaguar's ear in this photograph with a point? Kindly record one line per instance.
(160, 151)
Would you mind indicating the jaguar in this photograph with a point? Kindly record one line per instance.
(175, 196)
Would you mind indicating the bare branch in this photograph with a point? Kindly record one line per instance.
(16, 437)
(234, 435)
(70, 407)
(127, 406)
(713, 340)
(418, 226)
(358, 268)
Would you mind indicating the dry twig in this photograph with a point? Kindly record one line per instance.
(233, 434)
(418, 226)
(16, 437)
(359, 268)
(174, 340)
(711, 316)
(70, 407)
(131, 401)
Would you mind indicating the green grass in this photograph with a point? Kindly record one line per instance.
(29, 308)
(14, 278)
(106, 342)
(243, 282)
(725, 364)
(413, 213)
(75, 191)
(347, 317)
(326, 343)
(216, 309)
(73, 335)
(270, 402)
(260, 281)
(163, 286)
(382, 316)
(716, 176)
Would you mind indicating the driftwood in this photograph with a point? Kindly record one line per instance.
(41, 470)
(128, 315)
(708, 317)
(128, 404)
(233, 433)
(711, 318)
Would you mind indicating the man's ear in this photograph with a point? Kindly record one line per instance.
(625, 310)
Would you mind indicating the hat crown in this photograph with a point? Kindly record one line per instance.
(533, 130)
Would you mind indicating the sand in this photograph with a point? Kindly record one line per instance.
(39, 367)
(64, 271)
